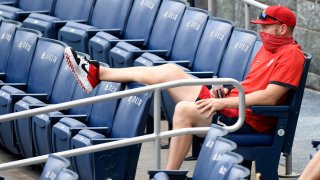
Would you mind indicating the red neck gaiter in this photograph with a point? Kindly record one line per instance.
(272, 42)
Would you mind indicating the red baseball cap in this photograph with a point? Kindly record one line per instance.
(276, 15)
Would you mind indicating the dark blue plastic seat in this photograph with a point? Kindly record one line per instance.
(137, 30)
(107, 16)
(99, 115)
(238, 172)
(7, 31)
(161, 38)
(63, 11)
(20, 58)
(53, 167)
(120, 163)
(215, 159)
(67, 174)
(25, 7)
(48, 55)
(266, 149)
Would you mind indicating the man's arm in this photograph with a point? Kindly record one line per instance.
(268, 96)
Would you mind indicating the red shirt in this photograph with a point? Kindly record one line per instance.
(284, 68)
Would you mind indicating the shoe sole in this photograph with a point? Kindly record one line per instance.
(81, 76)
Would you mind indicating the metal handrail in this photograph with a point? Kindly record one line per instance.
(156, 136)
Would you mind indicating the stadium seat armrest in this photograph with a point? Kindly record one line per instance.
(80, 117)
(17, 97)
(113, 42)
(315, 143)
(34, 106)
(137, 53)
(183, 63)
(207, 74)
(21, 86)
(271, 111)
(100, 141)
(92, 32)
(60, 23)
(101, 130)
(7, 3)
(182, 174)
(22, 15)
(3, 76)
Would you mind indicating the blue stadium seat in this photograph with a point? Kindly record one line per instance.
(215, 159)
(120, 163)
(100, 115)
(137, 30)
(7, 31)
(67, 174)
(255, 49)
(63, 11)
(60, 93)
(161, 38)
(53, 166)
(25, 7)
(107, 16)
(188, 37)
(238, 172)
(266, 149)
(48, 55)
(21, 54)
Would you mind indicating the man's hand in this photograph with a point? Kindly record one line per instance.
(210, 106)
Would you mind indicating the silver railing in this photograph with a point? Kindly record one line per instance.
(156, 136)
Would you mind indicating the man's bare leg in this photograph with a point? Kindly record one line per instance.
(186, 115)
(153, 75)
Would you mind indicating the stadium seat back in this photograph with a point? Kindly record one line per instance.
(84, 164)
(212, 45)
(7, 31)
(48, 56)
(53, 166)
(64, 85)
(21, 54)
(34, 5)
(256, 47)
(67, 174)
(132, 107)
(189, 34)
(166, 25)
(237, 53)
(141, 19)
(214, 149)
(110, 14)
(223, 165)
(73, 9)
(102, 113)
(238, 172)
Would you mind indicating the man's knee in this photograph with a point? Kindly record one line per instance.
(182, 113)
